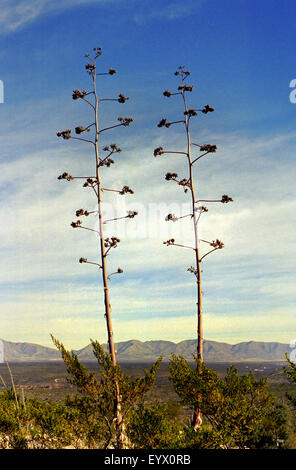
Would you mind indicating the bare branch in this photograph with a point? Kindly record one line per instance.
(173, 218)
(77, 224)
(163, 123)
(88, 102)
(130, 215)
(84, 140)
(195, 160)
(215, 249)
(171, 242)
(84, 260)
(119, 271)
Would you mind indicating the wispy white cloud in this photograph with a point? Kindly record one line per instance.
(16, 13)
(170, 11)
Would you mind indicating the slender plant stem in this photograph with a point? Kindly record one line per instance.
(2, 380)
(13, 386)
(196, 420)
(111, 344)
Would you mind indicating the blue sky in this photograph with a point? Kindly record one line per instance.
(241, 57)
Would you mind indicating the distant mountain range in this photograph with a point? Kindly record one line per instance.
(139, 351)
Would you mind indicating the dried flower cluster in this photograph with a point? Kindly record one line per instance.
(131, 214)
(225, 198)
(80, 129)
(182, 72)
(90, 68)
(163, 123)
(106, 162)
(169, 242)
(208, 148)
(125, 121)
(112, 71)
(122, 98)
(184, 87)
(192, 270)
(126, 190)
(112, 148)
(207, 109)
(217, 244)
(90, 182)
(80, 212)
(171, 176)
(111, 242)
(65, 176)
(98, 51)
(190, 112)
(185, 182)
(171, 217)
(78, 94)
(158, 151)
(65, 134)
(76, 224)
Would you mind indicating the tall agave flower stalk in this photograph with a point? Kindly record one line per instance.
(93, 100)
(189, 185)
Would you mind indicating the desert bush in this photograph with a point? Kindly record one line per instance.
(240, 410)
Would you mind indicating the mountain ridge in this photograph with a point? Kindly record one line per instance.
(145, 351)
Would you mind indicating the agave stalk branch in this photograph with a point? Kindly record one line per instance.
(200, 156)
(171, 151)
(108, 128)
(88, 102)
(214, 249)
(182, 246)
(83, 140)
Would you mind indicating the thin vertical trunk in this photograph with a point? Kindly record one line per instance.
(196, 419)
(111, 344)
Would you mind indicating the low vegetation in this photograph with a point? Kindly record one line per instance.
(239, 410)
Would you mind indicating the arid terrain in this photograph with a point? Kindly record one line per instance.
(48, 380)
